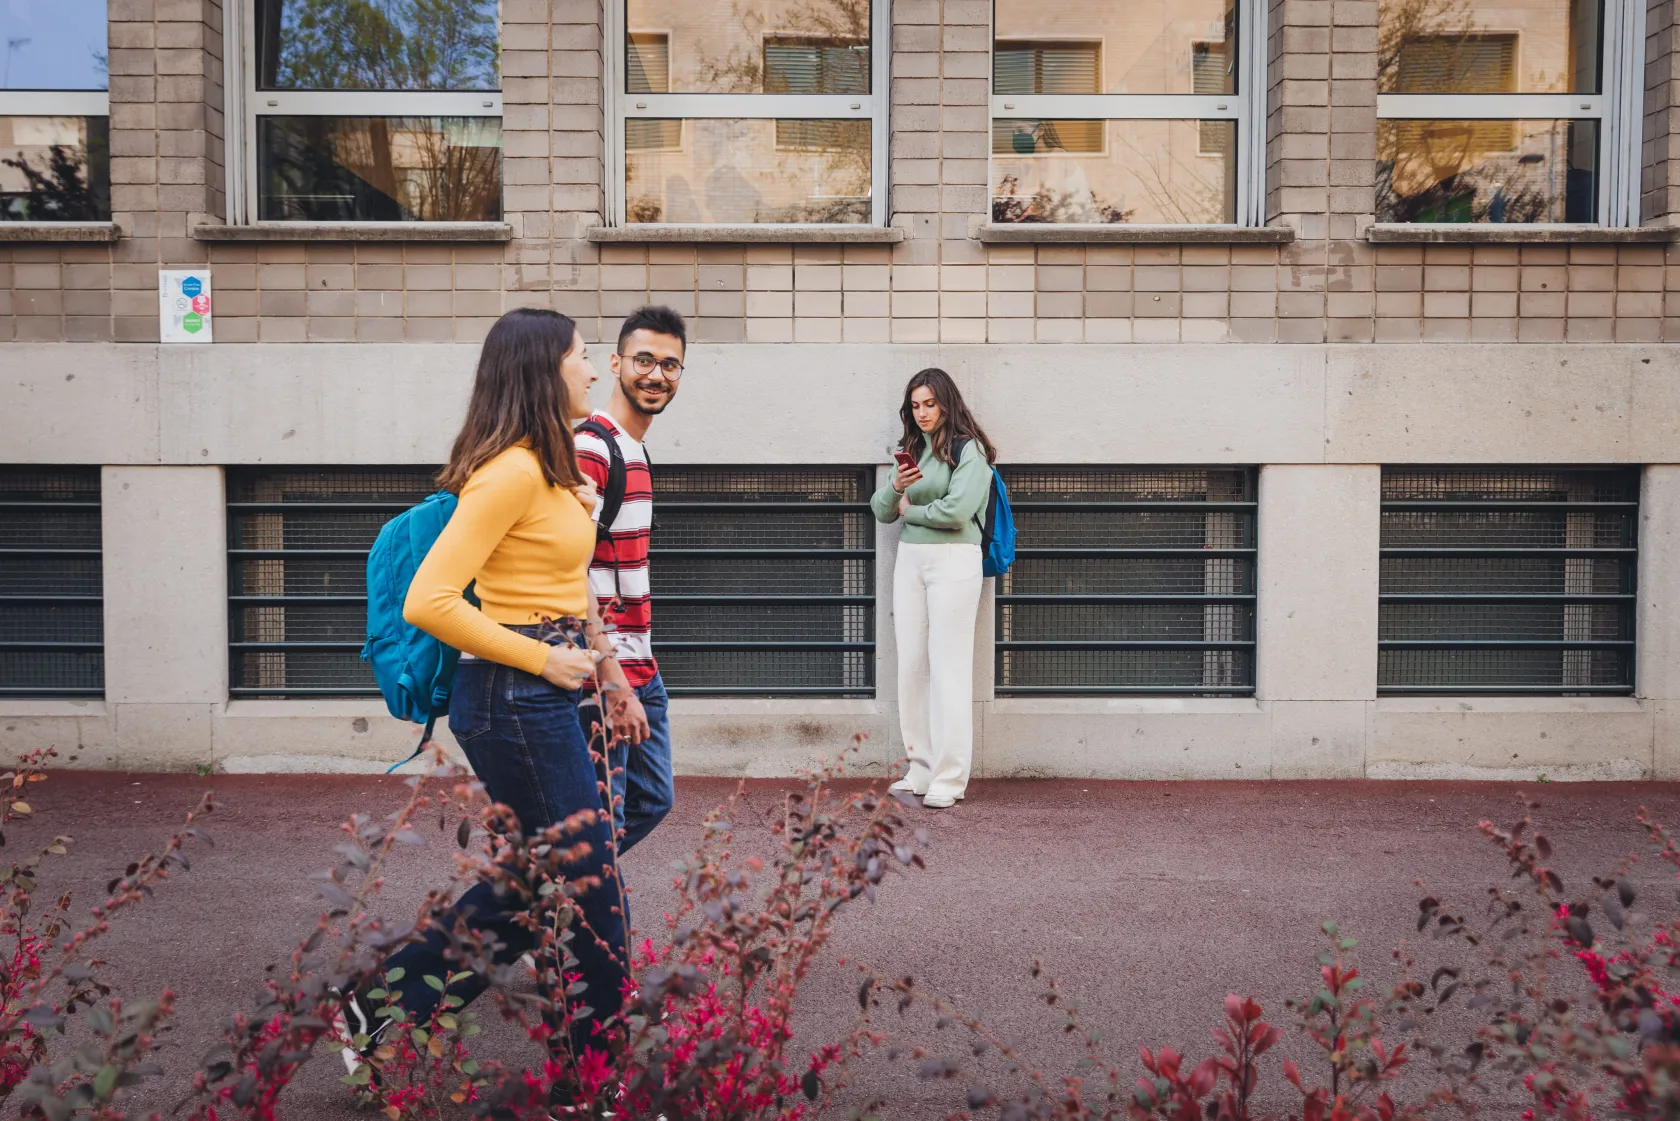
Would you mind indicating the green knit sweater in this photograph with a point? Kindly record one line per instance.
(944, 504)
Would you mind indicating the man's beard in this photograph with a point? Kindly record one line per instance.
(660, 400)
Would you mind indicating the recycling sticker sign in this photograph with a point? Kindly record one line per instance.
(184, 305)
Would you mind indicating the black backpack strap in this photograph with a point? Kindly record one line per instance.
(612, 499)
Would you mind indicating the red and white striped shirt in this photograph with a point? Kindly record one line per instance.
(627, 544)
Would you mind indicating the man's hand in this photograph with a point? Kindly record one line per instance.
(627, 716)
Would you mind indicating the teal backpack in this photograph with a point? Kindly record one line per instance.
(997, 524)
(414, 670)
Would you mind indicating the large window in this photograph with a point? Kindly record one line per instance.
(298, 541)
(1129, 580)
(55, 150)
(1507, 580)
(733, 112)
(763, 580)
(367, 111)
(1143, 113)
(1509, 111)
(52, 623)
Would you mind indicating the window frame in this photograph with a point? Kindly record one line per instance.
(1618, 108)
(91, 480)
(874, 106)
(1247, 107)
(245, 105)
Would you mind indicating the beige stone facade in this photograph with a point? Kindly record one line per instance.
(1318, 360)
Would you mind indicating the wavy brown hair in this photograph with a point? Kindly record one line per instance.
(956, 421)
(518, 397)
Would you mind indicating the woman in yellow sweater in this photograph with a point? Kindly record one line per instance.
(522, 534)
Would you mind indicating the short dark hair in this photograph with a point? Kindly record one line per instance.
(660, 320)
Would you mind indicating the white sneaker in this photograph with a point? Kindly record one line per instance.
(905, 784)
(938, 801)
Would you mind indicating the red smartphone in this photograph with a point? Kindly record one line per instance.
(906, 461)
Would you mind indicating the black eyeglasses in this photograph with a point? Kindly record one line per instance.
(645, 362)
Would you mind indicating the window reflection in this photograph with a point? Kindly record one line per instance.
(746, 171)
(53, 46)
(380, 169)
(1487, 171)
(1145, 171)
(747, 46)
(378, 44)
(55, 169)
(1098, 46)
(1503, 46)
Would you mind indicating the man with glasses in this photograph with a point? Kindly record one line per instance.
(647, 367)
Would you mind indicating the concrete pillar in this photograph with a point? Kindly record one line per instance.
(1658, 629)
(166, 622)
(1317, 672)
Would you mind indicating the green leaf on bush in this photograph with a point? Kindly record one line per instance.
(395, 975)
(105, 1081)
(448, 1021)
(377, 994)
(420, 1037)
(435, 982)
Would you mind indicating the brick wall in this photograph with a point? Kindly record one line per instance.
(939, 285)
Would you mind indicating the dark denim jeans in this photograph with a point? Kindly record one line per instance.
(522, 736)
(642, 786)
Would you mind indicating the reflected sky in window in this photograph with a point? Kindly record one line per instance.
(52, 46)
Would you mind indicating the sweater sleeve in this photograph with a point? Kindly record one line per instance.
(885, 501)
(964, 498)
(492, 501)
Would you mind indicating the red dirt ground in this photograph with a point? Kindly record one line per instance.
(1148, 900)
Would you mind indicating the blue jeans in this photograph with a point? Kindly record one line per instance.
(642, 786)
(522, 737)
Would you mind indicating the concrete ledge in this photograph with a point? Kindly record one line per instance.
(1010, 233)
(1123, 706)
(653, 233)
(1489, 233)
(358, 231)
(19, 232)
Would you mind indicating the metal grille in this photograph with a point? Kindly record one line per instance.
(1507, 580)
(763, 580)
(1129, 580)
(297, 574)
(52, 620)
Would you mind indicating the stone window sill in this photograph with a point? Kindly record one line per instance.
(641, 234)
(1468, 233)
(58, 231)
(1015, 233)
(358, 231)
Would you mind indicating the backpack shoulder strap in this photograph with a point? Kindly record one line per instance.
(958, 446)
(617, 478)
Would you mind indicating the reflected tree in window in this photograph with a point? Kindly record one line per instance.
(381, 169)
(379, 44)
(57, 182)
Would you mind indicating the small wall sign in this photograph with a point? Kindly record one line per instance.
(184, 305)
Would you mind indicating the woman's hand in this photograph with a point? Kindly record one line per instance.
(568, 666)
(903, 480)
(587, 495)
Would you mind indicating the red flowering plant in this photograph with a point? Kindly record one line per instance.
(706, 1023)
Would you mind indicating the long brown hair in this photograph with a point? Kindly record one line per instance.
(956, 421)
(518, 397)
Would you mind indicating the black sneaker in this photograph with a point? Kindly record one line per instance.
(356, 1019)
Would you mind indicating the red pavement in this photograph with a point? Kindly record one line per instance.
(1149, 900)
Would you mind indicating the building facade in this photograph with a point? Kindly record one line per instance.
(1328, 346)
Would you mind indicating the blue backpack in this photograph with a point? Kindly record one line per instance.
(997, 526)
(414, 670)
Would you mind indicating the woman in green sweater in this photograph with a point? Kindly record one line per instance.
(936, 583)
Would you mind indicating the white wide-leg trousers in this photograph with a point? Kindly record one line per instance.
(936, 596)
